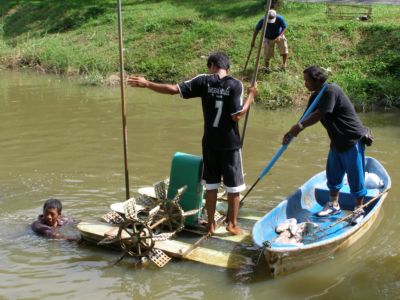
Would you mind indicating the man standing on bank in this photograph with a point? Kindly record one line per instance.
(347, 135)
(222, 103)
(275, 34)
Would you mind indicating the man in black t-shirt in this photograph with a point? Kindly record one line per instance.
(222, 103)
(346, 132)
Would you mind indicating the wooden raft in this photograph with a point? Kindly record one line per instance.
(221, 250)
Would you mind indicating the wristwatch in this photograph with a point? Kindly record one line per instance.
(301, 126)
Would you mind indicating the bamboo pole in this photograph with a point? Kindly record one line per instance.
(123, 104)
(254, 78)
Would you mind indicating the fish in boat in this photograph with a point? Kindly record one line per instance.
(323, 236)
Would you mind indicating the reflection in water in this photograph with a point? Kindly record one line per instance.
(62, 140)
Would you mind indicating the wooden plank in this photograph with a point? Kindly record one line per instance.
(227, 257)
(221, 250)
(150, 192)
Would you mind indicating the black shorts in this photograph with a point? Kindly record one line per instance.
(226, 164)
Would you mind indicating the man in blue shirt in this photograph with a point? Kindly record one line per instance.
(275, 34)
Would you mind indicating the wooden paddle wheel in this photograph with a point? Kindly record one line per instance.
(143, 221)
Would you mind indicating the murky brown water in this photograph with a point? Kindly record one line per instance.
(59, 139)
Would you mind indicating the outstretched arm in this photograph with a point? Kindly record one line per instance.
(250, 99)
(295, 130)
(162, 88)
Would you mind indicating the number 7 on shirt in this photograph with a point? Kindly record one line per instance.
(218, 105)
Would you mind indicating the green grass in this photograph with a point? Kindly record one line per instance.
(169, 41)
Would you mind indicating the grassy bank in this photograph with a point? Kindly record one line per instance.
(169, 41)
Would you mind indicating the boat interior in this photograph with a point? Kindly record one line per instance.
(310, 198)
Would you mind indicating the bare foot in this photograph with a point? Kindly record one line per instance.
(235, 230)
(211, 227)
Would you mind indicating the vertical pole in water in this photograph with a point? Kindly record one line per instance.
(122, 84)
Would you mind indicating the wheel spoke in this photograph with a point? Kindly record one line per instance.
(135, 238)
(125, 240)
(127, 231)
(145, 237)
(144, 245)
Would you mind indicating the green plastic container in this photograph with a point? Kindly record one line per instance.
(186, 169)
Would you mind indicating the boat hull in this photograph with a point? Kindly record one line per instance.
(280, 263)
(334, 233)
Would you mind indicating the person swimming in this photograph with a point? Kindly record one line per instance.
(51, 220)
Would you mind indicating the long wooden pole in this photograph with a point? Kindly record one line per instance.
(254, 78)
(247, 61)
(123, 104)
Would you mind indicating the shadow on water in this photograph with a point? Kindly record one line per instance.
(252, 268)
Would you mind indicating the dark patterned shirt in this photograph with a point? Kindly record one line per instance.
(221, 99)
